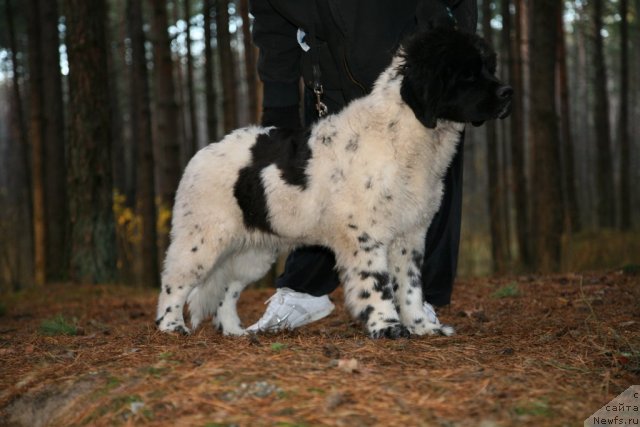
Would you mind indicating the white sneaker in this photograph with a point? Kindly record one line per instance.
(433, 318)
(289, 309)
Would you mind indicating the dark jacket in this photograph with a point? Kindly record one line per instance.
(355, 42)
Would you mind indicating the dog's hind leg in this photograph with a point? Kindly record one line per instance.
(240, 270)
(368, 288)
(186, 266)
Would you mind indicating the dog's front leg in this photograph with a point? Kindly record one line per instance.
(368, 289)
(406, 256)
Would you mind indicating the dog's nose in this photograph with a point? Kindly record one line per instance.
(504, 92)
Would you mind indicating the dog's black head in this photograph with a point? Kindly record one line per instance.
(450, 74)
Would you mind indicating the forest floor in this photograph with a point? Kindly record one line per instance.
(529, 350)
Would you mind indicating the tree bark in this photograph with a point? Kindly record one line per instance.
(141, 133)
(604, 163)
(227, 71)
(93, 243)
(625, 143)
(517, 136)
(55, 188)
(496, 219)
(249, 62)
(166, 123)
(546, 195)
(191, 99)
(36, 140)
(212, 117)
(572, 213)
(167, 141)
(22, 175)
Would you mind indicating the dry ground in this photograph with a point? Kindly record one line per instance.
(528, 351)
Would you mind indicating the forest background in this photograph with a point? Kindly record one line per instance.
(102, 104)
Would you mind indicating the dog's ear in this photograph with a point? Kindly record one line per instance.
(422, 72)
(432, 14)
(416, 93)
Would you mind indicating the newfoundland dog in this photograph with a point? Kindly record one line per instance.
(365, 182)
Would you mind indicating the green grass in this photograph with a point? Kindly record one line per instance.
(58, 326)
(3, 309)
(537, 408)
(277, 346)
(507, 291)
(631, 269)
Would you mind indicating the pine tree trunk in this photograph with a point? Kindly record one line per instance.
(227, 68)
(212, 117)
(191, 99)
(141, 133)
(36, 141)
(496, 219)
(93, 245)
(545, 160)
(185, 140)
(249, 62)
(604, 163)
(625, 143)
(168, 164)
(22, 174)
(54, 145)
(519, 184)
(572, 214)
(166, 123)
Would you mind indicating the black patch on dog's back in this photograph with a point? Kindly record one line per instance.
(289, 150)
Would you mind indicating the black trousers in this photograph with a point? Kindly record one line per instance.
(311, 269)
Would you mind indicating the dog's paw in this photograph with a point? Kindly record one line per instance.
(236, 331)
(447, 330)
(392, 332)
(174, 327)
(428, 328)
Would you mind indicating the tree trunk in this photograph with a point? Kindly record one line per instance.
(496, 219)
(93, 243)
(572, 214)
(141, 133)
(227, 69)
(36, 140)
(519, 184)
(212, 117)
(22, 175)
(166, 107)
(249, 62)
(168, 164)
(191, 99)
(545, 161)
(625, 149)
(185, 140)
(54, 145)
(604, 164)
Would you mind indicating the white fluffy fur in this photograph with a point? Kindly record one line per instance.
(388, 190)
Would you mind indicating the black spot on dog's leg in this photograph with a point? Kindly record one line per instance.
(364, 238)
(167, 289)
(364, 294)
(365, 314)
(194, 249)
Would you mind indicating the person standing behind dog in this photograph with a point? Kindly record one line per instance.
(339, 48)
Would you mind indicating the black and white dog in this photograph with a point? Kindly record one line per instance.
(365, 182)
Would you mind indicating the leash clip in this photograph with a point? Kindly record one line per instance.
(320, 106)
